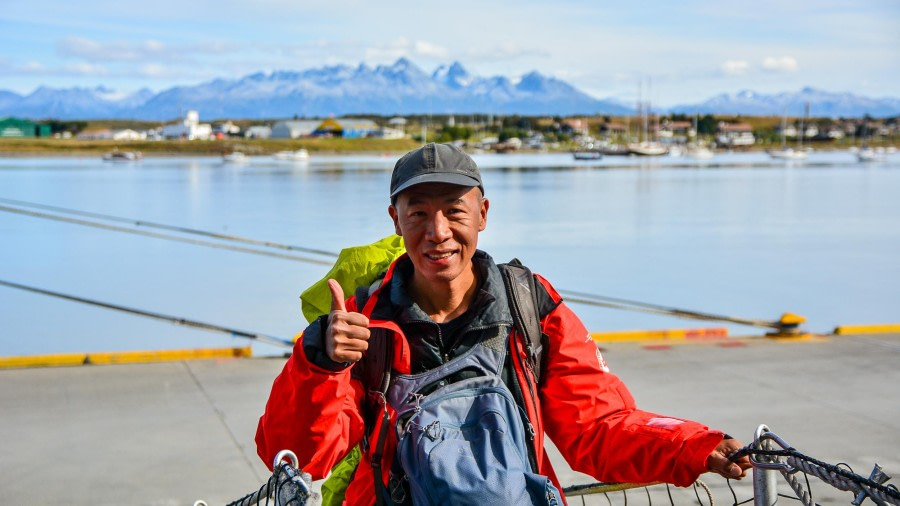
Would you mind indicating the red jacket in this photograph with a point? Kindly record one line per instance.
(587, 411)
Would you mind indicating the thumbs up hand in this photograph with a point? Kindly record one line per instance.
(348, 334)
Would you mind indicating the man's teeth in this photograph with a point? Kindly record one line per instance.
(440, 256)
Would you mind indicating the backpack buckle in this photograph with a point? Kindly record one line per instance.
(396, 488)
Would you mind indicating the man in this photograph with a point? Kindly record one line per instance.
(437, 305)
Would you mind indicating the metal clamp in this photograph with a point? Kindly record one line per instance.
(763, 439)
(289, 455)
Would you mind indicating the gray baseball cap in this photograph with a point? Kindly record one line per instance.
(435, 163)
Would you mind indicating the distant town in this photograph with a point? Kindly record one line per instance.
(486, 132)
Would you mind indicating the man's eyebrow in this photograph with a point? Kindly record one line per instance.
(418, 199)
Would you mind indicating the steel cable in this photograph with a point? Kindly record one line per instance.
(570, 295)
(159, 316)
(170, 237)
(173, 228)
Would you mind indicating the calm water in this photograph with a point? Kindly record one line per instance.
(737, 235)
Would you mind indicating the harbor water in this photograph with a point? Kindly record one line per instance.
(739, 235)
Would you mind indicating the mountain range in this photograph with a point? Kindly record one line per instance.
(401, 88)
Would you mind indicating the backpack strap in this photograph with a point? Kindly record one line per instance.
(522, 295)
(374, 370)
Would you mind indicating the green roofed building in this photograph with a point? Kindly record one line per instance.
(13, 127)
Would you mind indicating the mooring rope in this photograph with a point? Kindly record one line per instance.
(157, 235)
(616, 303)
(159, 316)
(835, 476)
(173, 228)
(288, 485)
(570, 295)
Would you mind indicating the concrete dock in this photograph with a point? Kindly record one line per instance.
(175, 432)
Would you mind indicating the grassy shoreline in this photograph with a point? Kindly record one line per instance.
(256, 147)
(79, 147)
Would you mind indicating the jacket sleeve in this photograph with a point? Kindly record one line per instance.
(313, 409)
(592, 418)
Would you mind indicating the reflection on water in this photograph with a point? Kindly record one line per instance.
(739, 234)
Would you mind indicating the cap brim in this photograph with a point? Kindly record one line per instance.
(440, 177)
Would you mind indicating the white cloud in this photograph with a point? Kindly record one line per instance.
(782, 64)
(154, 70)
(391, 51)
(147, 50)
(403, 47)
(735, 67)
(92, 50)
(33, 67)
(84, 69)
(427, 49)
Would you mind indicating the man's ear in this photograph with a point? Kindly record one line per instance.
(485, 205)
(392, 211)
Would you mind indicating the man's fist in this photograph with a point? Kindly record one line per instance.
(347, 336)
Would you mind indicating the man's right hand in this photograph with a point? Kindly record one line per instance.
(347, 336)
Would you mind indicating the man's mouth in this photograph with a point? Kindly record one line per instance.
(440, 256)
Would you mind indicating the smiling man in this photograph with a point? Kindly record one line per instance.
(460, 412)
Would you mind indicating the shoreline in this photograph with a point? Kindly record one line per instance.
(70, 148)
(73, 147)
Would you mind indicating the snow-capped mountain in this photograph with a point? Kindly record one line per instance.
(821, 103)
(400, 88)
(72, 103)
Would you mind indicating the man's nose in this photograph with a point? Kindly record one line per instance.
(439, 228)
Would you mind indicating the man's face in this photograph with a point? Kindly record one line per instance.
(439, 224)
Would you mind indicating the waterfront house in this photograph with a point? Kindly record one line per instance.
(189, 128)
(120, 134)
(735, 135)
(348, 128)
(388, 133)
(13, 127)
(258, 132)
(675, 132)
(789, 131)
(293, 129)
(612, 129)
(225, 129)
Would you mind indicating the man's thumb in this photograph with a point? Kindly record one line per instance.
(337, 296)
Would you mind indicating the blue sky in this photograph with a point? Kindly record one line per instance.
(682, 51)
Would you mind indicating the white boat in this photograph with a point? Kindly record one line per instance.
(696, 150)
(235, 157)
(869, 155)
(300, 154)
(787, 153)
(676, 151)
(123, 156)
(587, 155)
(699, 153)
(647, 149)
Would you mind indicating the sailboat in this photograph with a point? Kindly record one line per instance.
(695, 150)
(646, 147)
(867, 153)
(786, 152)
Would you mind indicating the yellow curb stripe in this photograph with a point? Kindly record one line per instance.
(664, 334)
(881, 328)
(122, 357)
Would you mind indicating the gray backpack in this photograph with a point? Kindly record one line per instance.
(464, 442)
